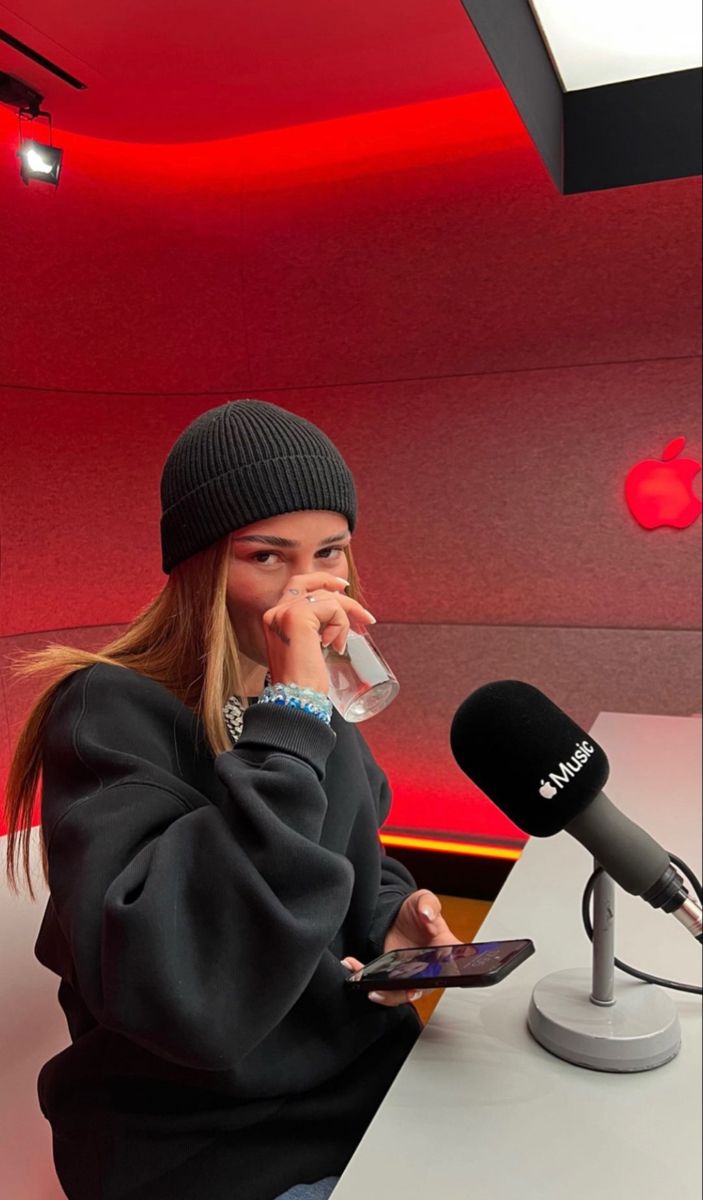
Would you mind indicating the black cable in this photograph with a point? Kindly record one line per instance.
(585, 913)
(689, 875)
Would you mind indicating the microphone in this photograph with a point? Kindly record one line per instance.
(546, 774)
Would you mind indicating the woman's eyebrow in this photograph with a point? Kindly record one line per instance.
(281, 541)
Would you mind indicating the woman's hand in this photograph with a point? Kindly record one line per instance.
(419, 922)
(388, 998)
(295, 630)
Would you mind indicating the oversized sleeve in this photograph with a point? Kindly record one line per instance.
(396, 880)
(195, 922)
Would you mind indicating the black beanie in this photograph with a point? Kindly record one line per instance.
(243, 462)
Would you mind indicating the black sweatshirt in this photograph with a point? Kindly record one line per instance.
(199, 908)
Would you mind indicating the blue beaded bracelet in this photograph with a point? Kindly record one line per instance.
(305, 699)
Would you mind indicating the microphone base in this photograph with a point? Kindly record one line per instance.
(639, 1032)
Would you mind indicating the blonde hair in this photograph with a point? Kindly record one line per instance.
(183, 639)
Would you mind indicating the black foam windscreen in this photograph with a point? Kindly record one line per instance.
(535, 763)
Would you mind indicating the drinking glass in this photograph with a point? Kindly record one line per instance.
(361, 682)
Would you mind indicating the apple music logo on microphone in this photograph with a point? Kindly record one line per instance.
(566, 770)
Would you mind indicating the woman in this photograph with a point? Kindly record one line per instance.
(210, 840)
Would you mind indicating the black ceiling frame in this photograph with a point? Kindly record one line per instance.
(616, 135)
(41, 61)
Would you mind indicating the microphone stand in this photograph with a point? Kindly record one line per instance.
(580, 1015)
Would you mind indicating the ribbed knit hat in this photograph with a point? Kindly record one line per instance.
(242, 462)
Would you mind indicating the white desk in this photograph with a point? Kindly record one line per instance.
(479, 1111)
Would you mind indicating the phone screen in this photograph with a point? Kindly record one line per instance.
(469, 964)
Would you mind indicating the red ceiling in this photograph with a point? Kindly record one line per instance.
(194, 71)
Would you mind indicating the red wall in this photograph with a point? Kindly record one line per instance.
(489, 356)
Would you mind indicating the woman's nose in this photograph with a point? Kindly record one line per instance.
(304, 568)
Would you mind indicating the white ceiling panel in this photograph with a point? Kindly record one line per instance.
(596, 42)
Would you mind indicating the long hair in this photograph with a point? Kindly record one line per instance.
(183, 639)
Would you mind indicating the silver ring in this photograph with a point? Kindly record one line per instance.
(312, 599)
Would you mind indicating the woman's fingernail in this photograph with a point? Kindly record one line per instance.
(377, 997)
(373, 619)
(344, 581)
(416, 996)
(427, 912)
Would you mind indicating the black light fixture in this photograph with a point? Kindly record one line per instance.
(609, 90)
(39, 161)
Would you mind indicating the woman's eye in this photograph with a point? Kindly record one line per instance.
(261, 554)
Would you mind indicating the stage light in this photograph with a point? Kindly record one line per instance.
(40, 162)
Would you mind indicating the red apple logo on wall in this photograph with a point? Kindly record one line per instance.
(660, 492)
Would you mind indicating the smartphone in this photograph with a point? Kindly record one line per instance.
(470, 964)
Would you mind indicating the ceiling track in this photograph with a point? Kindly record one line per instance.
(46, 63)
